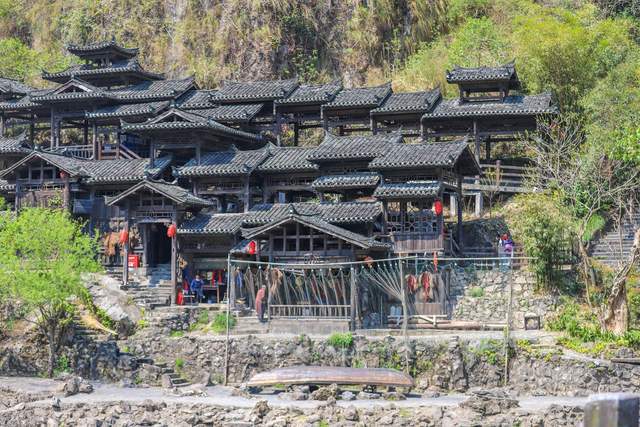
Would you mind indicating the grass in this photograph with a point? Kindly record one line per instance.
(176, 334)
(179, 363)
(219, 324)
(340, 340)
(476, 292)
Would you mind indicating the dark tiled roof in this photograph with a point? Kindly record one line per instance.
(87, 71)
(224, 163)
(95, 48)
(410, 156)
(154, 90)
(337, 213)
(407, 190)
(412, 102)
(195, 99)
(514, 105)
(88, 91)
(311, 94)
(461, 74)
(288, 159)
(347, 181)
(320, 225)
(25, 102)
(14, 87)
(213, 223)
(266, 90)
(129, 110)
(122, 170)
(68, 164)
(358, 147)
(188, 120)
(360, 97)
(174, 192)
(231, 113)
(15, 145)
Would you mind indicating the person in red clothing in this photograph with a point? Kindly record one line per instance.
(260, 302)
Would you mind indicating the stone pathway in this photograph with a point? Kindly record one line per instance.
(222, 396)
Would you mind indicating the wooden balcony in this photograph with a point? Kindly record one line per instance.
(414, 242)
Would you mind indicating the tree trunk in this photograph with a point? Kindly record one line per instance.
(615, 314)
(52, 354)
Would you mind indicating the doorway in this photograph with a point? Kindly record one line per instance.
(159, 245)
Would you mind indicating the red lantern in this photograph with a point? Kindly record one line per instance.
(64, 175)
(171, 231)
(251, 248)
(437, 207)
(124, 237)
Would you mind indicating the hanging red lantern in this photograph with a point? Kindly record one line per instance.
(251, 247)
(171, 231)
(124, 237)
(437, 207)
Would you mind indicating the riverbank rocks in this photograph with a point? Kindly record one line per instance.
(73, 384)
(489, 402)
(325, 393)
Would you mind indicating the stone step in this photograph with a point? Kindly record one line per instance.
(180, 382)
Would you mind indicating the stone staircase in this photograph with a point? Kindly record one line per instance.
(82, 332)
(615, 244)
(151, 290)
(173, 379)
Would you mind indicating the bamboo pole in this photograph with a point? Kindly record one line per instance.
(226, 347)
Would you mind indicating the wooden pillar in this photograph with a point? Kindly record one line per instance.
(94, 141)
(325, 120)
(66, 193)
(247, 194)
(32, 130)
(278, 129)
(92, 220)
(125, 257)
(174, 260)
(198, 153)
(145, 243)
(85, 134)
(374, 126)
(52, 125)
(3, 124)
(487, 149)
(296, 133)
(476, 136)
(152, 154)
(453, 198)
(58, 130)
(460, 236)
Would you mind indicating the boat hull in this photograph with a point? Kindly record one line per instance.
(299, 375)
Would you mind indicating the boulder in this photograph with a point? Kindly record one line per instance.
(347, 395)
(325, 393)
(489, 402)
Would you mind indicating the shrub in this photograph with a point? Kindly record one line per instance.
(176, 334)
(179, 363)
(476, 292)
(220, 323)
(341, 340)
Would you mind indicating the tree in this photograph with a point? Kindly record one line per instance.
(43, 253)
(590, 182)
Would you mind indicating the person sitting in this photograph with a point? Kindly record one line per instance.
(196, 286)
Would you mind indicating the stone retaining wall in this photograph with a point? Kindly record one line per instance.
(483, 296)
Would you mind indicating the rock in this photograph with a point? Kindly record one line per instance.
(350, 413)
(393, 395)
(431, 393)
(347, 395)
(165, 380)
(364, 395)
(324, 393)
(260, 409)
(241, 392)
(55, 403)
(85, 387)
(489, 402)
(74, 385)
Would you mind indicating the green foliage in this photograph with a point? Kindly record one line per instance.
(340, 340)
(176, 334)
(490, 350)
(595, 224)
(143, 323)
(478, 42)
(43, 254)
(219, 324)
(62, 365)
(541, 224)
(476, 292)
(179, 363)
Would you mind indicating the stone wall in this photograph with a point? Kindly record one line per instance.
(159, 413)
(483, 296)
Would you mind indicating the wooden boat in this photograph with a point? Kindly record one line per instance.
(311, 375)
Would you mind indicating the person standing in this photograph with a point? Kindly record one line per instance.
(260, 302)
(196, 286)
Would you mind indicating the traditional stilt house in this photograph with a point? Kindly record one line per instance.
(401, 112)
(303, 108)
(286, 175)
(350, 110)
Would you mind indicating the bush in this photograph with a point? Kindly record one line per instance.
(179, 363)
(476, 292)
(219, 325)
(176, 334)
(341, 340)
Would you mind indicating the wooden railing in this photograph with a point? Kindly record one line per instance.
(499, 177)
(83, 152)
(310, 311)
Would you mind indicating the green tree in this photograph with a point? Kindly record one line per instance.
(43, 253)
(478, 42)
